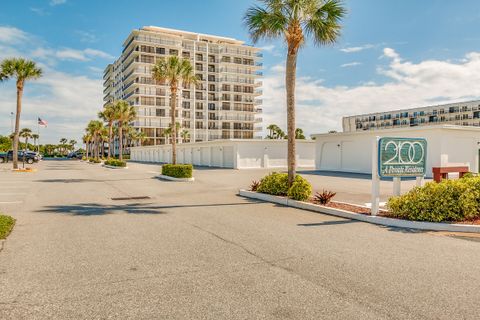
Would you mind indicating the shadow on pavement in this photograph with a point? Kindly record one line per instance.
(95, 209)
(327, 223)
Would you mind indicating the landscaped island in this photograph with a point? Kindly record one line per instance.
(451, 201)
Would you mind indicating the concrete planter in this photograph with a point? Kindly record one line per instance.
(389, 222)
(113, 167)
(163, 177)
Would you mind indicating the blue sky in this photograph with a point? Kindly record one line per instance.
(392, 54)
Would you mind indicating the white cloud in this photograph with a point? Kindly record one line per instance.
(87, 36)
(69, 54)
(268, 48)
(12, 35)
(65, 100)
(320, 108)
(357, 49)
(39, 11)
(351, 64)
(57, 2)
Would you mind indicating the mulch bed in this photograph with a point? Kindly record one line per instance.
(352, 208)
(381, 213)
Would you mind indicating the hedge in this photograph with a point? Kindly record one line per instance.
(277, 184)
(177, 170)
(6, 225)
(93, 160)
(116, 163)
(449, 200)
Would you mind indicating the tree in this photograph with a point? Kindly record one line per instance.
(72, 144)
(108, 115)
(272, 129)
(22, 70)
(294, 21)
(175, 72)
(299, 134)
(185, 135)
(26, 133)
(35, 138)
(124, 114)
(86, 139)
(168, 133)
(95, 128)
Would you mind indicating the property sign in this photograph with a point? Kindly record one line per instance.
(402, 157)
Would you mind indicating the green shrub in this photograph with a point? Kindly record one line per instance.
(116, 163)
(277, 184)
(300, 190)
(177, 170)
(93, 160)
(6, 225)
(449, 200)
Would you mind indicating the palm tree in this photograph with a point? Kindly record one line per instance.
(124, 114)
(299, 135)
(63, 146)
(95, 128)
(72, 144)
(35, 137)
(272, 129)
(185, 135)
(22, 70)
(108, 115)
(175, 72)
(26, 133)
(86, 139)
(294, 21)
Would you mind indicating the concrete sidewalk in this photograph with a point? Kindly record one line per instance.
(197, 251)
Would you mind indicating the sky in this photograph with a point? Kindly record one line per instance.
(391, 55)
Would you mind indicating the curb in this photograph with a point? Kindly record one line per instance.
(113, 167)
(388, 222)
(163, 177)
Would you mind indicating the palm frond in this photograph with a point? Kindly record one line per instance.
(323, 26)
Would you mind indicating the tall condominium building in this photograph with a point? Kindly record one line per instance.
(224, 104)
(462, 114)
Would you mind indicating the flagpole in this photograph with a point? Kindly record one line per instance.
(38, 132)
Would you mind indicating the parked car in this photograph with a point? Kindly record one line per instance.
(30, 156)
(76, 155)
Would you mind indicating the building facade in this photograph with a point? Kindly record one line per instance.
(460, 114)
(224, 104)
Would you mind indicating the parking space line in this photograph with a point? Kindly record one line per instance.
(10, 202)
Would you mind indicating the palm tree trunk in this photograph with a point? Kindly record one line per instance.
(86, 149)
(109, 138)
(120, 140)
(290, 78)
(173, 101)
(17, 124)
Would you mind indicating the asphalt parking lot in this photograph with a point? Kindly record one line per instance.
(167, 250)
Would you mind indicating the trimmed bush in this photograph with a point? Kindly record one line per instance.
(177, 170)
(277, 184)
(449, 200)
(116, 163)
(300, 190)
(93, 160)
(6, 225)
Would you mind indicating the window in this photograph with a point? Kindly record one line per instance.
(173, 52)
(160, 113)
(160, 101)
(160, 50)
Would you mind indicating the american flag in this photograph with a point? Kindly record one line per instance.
(42, 122)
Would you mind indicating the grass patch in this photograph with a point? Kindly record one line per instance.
(6, 226)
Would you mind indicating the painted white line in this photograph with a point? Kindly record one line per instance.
(11, 202)
(12, 194)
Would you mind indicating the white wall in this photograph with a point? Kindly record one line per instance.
(238, 154)
(352, 152)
